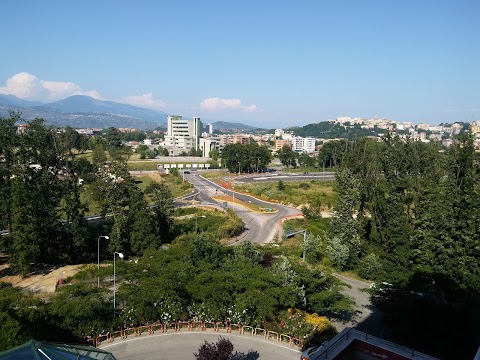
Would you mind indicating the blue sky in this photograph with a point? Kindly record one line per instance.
(269, 63)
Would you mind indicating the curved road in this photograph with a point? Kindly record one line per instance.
(260, 228)
(184, 345)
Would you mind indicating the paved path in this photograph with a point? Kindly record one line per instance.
(183, 345)
(367, 318)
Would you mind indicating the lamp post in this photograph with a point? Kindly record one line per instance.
(98, 258)
(292, 233)
(120, 255)
(196, 221)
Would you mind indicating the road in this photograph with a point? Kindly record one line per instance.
(184, 345)
(259, 228)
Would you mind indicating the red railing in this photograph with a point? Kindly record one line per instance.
(190, 325)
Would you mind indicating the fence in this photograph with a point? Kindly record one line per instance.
(190, 325)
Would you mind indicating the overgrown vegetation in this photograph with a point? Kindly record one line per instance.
(315, 195)
(193, 278)
(408, 215)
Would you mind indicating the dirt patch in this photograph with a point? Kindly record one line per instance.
(38, 283)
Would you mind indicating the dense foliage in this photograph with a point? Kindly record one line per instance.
(41, 181)
(245, 157)
(408, 215)
(191, 279)
(328, 130)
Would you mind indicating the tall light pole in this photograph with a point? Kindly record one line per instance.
(120, 255)
(292, 233)
(98, 258)
(196, 221)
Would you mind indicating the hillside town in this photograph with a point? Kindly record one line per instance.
(182, 135)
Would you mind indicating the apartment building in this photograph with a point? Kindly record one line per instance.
(303, 144)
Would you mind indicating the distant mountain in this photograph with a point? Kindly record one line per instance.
(13, 100)
(83, 111)
(87, 104)
(228, 126)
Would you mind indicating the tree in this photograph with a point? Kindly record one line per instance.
(287, 156)
(8, 143)
(221, 350)
(98, 155)
(245, 158)
(214, 154)
(36, 196)
(162, 211)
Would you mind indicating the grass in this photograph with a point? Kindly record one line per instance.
(294, 193)
(142, 165)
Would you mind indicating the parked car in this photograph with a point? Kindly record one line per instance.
(307, 354)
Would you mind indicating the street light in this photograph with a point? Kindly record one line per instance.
(120, 255)
(292, 233)
(98, 258)
(196, 221)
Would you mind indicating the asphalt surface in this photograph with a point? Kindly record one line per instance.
(259, 228)
(184, 345)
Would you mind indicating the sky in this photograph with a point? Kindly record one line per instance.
(268, 63)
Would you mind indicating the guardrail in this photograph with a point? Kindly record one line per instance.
(226, 327)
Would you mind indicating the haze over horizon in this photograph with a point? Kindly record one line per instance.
(267, 64)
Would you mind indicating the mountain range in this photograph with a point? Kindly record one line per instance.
(81, 111)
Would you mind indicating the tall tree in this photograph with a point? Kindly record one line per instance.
(8, 146)
(162, 211)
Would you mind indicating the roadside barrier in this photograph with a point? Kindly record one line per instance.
(209, 325)
(190, 325)
(296, 342)
(181, 324)
(222, 326)
(196, 325)
(285, 338)
(272, 334)
(172, 325)
(237, 327)
(142, 329)
(249, 328)
(117, 334)
(260, 331)
(161, 327)
(130, 331)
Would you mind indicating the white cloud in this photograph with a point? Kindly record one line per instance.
(212, 104)
(28, 87)
(145, 100)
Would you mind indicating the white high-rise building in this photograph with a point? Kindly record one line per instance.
(182, 134)
(303, 144)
